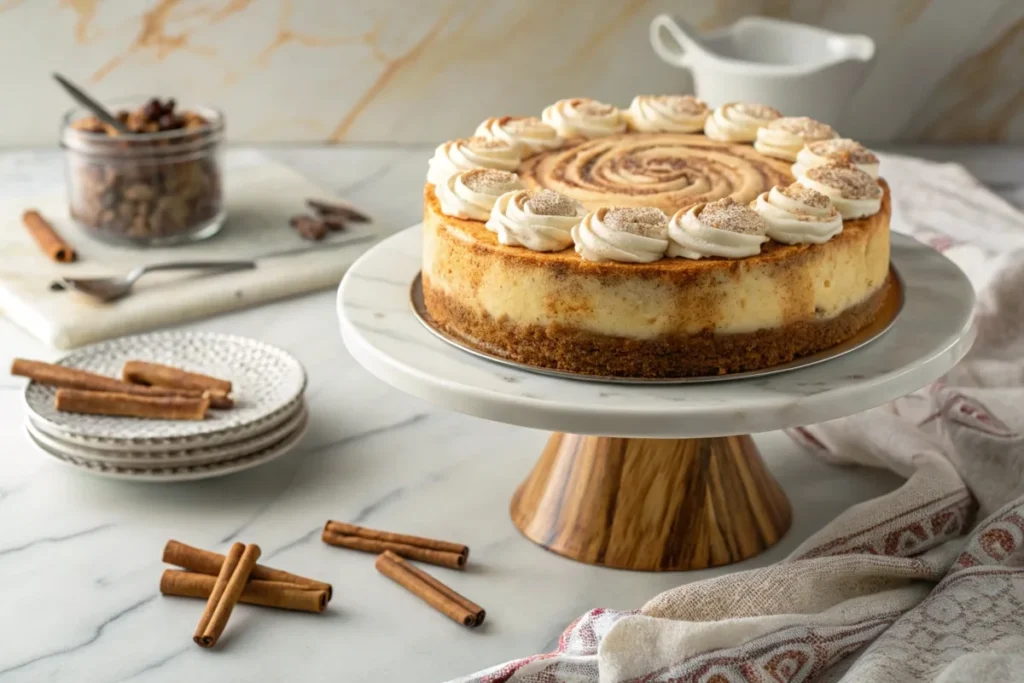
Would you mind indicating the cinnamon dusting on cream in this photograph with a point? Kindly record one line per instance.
(479, 143)
(732, 216)
(592, 107)
(517, 124)
(804, 126)
(490, 181)
(805, 195)
(757, 111)
(683, 104)
(843, 149)
(551, 203)
(646, 221)
(850, 181)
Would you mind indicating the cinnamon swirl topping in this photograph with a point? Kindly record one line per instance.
(853, 192)
(528, 133)
(838, 149)
(739, 121)
(627, 235)
(539, 221)
(784, 138)
(663, 170)
(667, 113)
(583, 117)
(463, 155)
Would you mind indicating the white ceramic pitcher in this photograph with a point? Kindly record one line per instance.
(798, 69)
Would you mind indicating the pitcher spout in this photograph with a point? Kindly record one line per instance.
(852, 47)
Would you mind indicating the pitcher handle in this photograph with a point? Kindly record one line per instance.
(682, 41)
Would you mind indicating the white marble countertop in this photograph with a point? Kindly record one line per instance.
(80, 556)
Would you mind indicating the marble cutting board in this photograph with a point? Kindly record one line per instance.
(260, 195)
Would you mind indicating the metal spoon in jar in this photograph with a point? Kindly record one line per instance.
(113, 288)
(92, 105)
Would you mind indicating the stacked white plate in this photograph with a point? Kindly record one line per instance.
(268, 420)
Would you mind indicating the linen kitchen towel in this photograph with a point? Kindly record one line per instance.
(923, 584)
(260, 197)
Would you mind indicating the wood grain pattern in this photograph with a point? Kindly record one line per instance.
(651, 504)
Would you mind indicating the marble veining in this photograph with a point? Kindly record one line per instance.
(83, 554)
(391, 70)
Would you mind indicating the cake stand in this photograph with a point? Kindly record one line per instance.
(653, 477)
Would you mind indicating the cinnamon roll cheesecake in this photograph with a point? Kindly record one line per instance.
(666, 240)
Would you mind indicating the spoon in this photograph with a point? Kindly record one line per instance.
(113, 288)
(92, 105)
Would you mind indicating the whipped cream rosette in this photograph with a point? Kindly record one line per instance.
(538, 220)
(784, 138)
(798, 215)
(725, 228)
(528, 133)
(667, 114)
(739, 121)
(838, 149)
(586, 118)
(463, 155)
(627, 235)
(472, 194)
(853, 192)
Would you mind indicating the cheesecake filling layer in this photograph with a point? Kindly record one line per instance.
(784, 285)
(582, 352)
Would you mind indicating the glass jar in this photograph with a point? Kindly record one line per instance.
(147, 189)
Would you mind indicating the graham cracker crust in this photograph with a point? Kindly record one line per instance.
(579, 351)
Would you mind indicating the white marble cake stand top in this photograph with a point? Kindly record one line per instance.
(379, 328)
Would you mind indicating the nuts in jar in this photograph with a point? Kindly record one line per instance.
(160, 184)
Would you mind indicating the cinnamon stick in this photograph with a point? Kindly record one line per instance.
(209, 562)
(207, 634)
(217, 400)
(430, 590)
(155, 374)
(337, 208)
(333, 223)
(366, 545)
(47, 238)
(291, 596)
(429, 550)
(309, 227)
(55, 375)
(128, 405)
(227, 570)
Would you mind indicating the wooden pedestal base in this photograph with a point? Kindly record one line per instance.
(651, 504)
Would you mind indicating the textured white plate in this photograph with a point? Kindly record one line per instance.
(175, 458)
(266, 381)
(161, 445)
(168, 475)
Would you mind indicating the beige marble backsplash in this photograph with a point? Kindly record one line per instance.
(423, 71)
